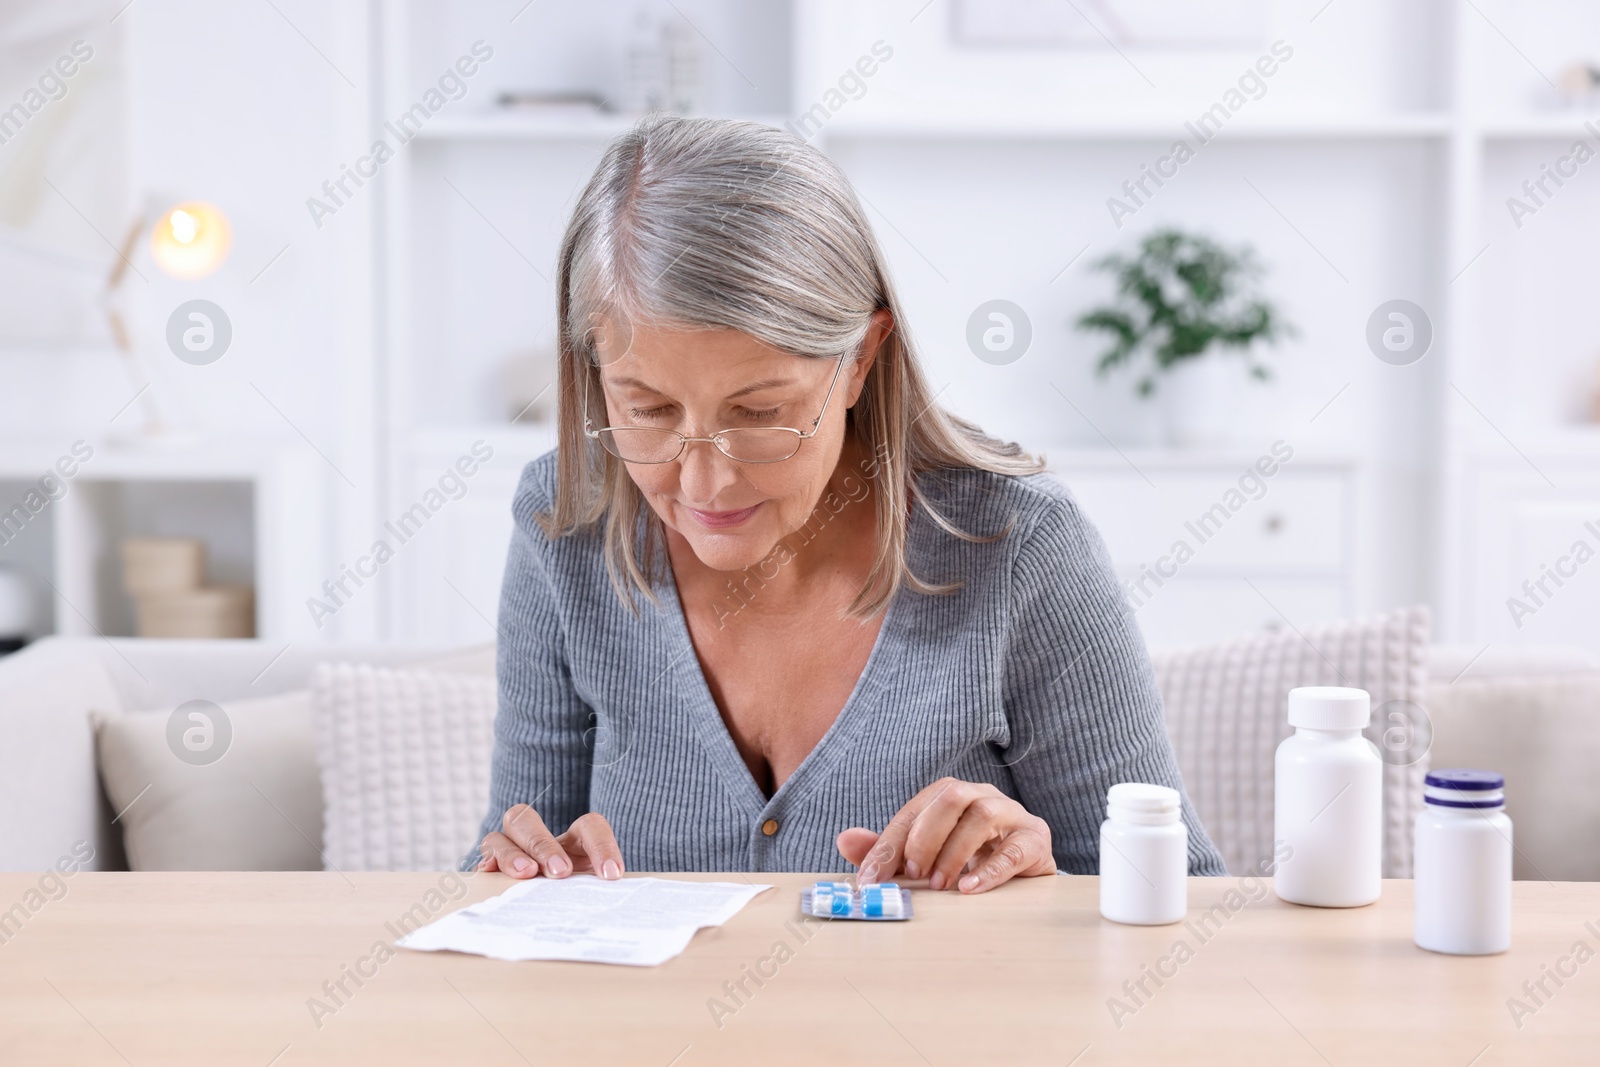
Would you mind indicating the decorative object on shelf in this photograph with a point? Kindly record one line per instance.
(1181, 297)
(188, 241)
(20, 616)
(210, 611)
(685, 64)
(1111, 23)
(558, 103)
(644, 66)
(166, 575)
(1594, 395)
(529, 389)
(1579, 85)
(162, 564)
(664, 68)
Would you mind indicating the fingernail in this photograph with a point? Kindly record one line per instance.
(970, 882)
(937, 881)
(913, 869)
(520, 863)
(609, 869)
(557, 866)
(867, 874)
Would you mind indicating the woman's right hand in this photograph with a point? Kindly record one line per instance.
(524, 847)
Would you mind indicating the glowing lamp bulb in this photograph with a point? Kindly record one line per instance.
(191, 240)
(184, 226)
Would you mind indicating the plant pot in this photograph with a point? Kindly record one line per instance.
(1199, 399)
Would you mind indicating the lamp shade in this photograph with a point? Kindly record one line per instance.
(191, 240)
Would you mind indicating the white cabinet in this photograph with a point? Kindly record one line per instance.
(1208, 546)
(449, 571)
(1528, 568)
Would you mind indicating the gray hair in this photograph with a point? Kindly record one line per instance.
(704, 223)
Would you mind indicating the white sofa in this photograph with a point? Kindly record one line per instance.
(50, 794)
(1520, 711)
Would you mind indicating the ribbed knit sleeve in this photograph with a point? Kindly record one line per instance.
(540, 753)
(1079, 692)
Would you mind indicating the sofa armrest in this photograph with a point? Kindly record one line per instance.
(50, 796)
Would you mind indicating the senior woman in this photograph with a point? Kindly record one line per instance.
(768, 606)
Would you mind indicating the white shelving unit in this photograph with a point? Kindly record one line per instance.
(1393, 196)
(259, 511)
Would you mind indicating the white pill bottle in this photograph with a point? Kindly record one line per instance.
(1463, 864)
(1328, 801)
(1144, 856)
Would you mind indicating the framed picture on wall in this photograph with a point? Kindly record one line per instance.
(1107, 23)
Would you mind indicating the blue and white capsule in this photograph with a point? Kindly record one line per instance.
(881, 901)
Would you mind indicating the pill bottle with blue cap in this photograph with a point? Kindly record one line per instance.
(1462, 858)
(1144, 855)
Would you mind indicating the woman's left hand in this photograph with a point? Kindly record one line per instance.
(949, 828)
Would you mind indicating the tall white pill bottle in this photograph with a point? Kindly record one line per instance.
(1328, 801)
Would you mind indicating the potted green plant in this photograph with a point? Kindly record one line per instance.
(1181, 298)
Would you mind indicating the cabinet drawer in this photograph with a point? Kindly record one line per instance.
(1193, 611)
(1287, 522)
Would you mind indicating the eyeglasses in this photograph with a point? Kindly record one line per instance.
(746, 444)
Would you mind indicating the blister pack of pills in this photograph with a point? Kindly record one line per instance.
(841, 900)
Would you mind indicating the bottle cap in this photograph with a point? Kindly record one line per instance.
(1329, 707)
(1464, 788)
(1142, 802)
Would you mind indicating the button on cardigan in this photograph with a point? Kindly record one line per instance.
(1033, 677)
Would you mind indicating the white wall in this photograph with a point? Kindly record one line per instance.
(254, 110)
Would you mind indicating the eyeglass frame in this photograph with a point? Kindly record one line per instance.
(593, 433)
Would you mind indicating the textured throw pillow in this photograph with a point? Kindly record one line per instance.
(1227, 707)
(404, 757)
(255, 807)
(1541, 733)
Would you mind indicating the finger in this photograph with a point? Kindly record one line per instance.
(590, 841)
(983, 820)
(528, 832)
(1019, 852)
(504, 854)
(933, 827)
(885, 858)
(855, 843)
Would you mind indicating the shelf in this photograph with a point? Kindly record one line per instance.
(199, 459)
(1426, 144)
(1536, 127)
(524, 439)
(1575, 441)
(1077, 457)
(270, 513)
(514, 126)
(533, 126)
(1140, 128)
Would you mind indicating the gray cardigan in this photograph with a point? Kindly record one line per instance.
(1033, 677)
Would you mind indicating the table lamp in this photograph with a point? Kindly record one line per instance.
(189, 240)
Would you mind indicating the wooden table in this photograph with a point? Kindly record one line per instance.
(221, 969)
